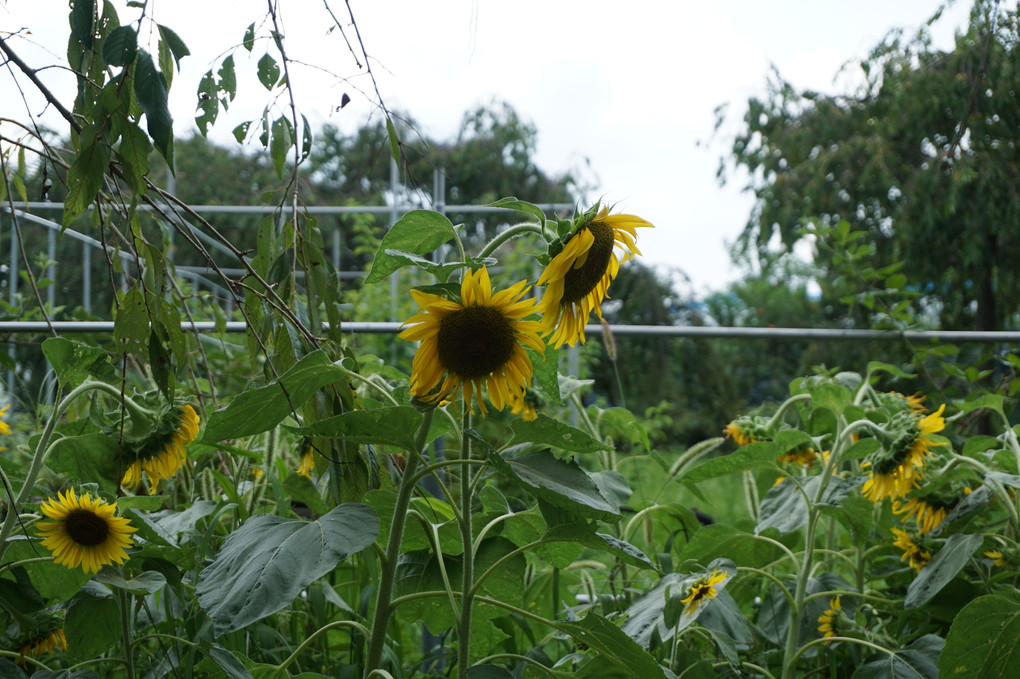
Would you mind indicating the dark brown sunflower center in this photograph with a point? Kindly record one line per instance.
(85, 528)
(475, 341)
(582, 280)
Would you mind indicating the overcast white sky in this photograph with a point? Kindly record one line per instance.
(631, 87)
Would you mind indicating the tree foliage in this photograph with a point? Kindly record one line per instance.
(921, 158)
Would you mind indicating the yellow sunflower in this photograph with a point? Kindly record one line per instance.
(477, 342)
(927, 512)
(913, 553)
(578, 277)
(998, 558)
(46, 643)
(522, 406)
(830, 619)
(896, 472)
(739, 436)
(4, 427)
(162, 453)
(702, 591)
(84, 531)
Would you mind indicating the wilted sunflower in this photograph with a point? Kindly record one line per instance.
(84, 531)
(913, 553)
(307, 465)
(162, 452)
(476, 342)
(896, 469)
(830, 619)
(998, 558)
(579, 275)
(45, 643)
(702, 591)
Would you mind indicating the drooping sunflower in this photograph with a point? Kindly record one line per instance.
(474, 343)
(913, 553)
(163, 452)
(307, 465)
(702, 591)
(578, 276)
(84, 532)
(4, 427)
(829, 620)
(928, 512)
(897, 468)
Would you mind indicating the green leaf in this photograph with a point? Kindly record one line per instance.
(258, 410)
(984, 641)
(249, 37)
(719, 540)
(489, 672)
(52, 581)
(943, 567)
(418, 232)
(209, 105)
(586, 535)
(391, 133)
(521, 206)
(151, 90)
(174, 42)
(133, 152)
(992, 402)
(306, 137)
(228, 79)
(610, 642)
(268, 71)
(785, 507)
(916, 661)
(759, 455)
(86, 175)
(147, 582)
(131, 325)
(560, 483)
(229, 663)
(280, 142)
(89, 458)
(92, 625)
(120, 46)
(390, 426)
(546, 430)
(263, 565)
(74, 361)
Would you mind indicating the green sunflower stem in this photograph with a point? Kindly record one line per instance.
(785, 405)
(125, 630)
(512, 232)
(383, 602)
(467, 571)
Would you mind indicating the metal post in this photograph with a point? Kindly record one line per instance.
(86, 277)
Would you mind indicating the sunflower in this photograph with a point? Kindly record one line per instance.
(84, 531)
(523, 406)
(162, 453)
(998, 558)
(830, 619)
(739, 436)
(928, 512)
(4, 427)
(476, 342)
(913, 553)
(895, 471)
(702, 591)
(45, 643)
(578, 276)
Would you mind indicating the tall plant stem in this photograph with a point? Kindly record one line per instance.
(383, 603)
(468, 574)
(125, 630)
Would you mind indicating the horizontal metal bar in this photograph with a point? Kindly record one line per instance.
(327, 209)
(593, 331)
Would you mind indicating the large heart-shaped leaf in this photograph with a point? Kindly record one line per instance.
(265, 563)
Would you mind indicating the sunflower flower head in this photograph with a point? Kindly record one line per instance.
(913, 552)
(898, 466)
(833, 622)
(582, 266)
(750, 428)
(702, 591)
(473, 344)
(162, 451)
(525, 405)
(84, 532)
(928, 512)
(45, 635)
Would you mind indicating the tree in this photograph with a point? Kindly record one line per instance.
(922, 159)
